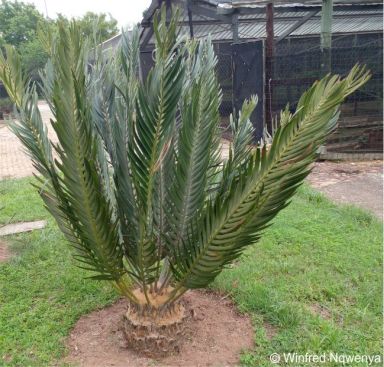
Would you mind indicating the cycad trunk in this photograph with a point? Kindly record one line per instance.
(156, 328)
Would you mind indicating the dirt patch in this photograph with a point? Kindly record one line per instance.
(4, 251)
(321, 311)
(270, 330)
(218, 334)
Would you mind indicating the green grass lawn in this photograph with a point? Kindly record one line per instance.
(313, 284)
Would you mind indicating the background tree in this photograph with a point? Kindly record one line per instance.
(34, 57)
(102, 26)
(96, 27)
(20, 24)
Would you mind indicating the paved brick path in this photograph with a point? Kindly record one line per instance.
(14, 162)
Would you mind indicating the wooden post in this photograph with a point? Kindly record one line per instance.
(235, 28)
(326, 36)
(269, 53)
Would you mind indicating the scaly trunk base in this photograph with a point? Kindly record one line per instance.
(155, 332)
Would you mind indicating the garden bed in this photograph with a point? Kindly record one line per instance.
(217, 334)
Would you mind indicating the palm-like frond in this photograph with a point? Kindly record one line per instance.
(78, 151)
(157, 102)
(265, 186)
(199, 121)
(11, 75)
(243, 133)
(73, 193)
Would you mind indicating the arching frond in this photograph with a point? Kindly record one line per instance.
(265, 186)
(199, 121)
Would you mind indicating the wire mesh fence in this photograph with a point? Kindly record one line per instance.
(225, 75)
(297, 64)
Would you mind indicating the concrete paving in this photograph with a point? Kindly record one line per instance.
(365, 190)
(21, 227)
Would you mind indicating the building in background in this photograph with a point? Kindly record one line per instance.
(275, 50)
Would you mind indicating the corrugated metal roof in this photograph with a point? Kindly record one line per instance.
(228, 7)
(253, 3)
(305, 2)
(301, 14)
(111, 42)
(254, 28)
(363, 23)
(217, 32)
(287, 2)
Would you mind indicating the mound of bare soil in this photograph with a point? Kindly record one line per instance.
(4, 252)
(217, 336)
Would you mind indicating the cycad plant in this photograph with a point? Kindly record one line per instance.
(136, 182)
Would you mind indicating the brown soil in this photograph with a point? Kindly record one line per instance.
(320, 310)
(270, 330)
(217, 336)
(4, 252)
